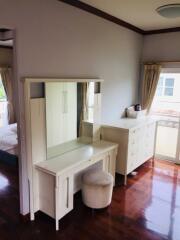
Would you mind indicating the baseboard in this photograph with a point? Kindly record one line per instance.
(24, 218)
(162, 157)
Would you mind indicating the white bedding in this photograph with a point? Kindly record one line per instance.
(8, 139)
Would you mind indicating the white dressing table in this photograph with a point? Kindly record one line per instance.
(51, 122)
(56, 178)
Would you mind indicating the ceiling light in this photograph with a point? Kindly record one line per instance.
(169, 11)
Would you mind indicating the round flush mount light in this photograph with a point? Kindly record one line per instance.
(169, 11)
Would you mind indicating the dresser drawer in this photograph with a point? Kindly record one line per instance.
(132, 161)
(134, 134)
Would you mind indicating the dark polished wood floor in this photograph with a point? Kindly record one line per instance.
(147, 208)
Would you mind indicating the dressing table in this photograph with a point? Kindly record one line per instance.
(63, 141)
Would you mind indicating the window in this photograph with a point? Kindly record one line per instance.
(3, 106)
(159, 91)
(169, 87)
(2, 92)
(165, 87)
(167, 98)
(90, 101)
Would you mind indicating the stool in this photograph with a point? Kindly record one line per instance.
(97, 187)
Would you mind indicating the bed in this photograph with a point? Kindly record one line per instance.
(9, 143)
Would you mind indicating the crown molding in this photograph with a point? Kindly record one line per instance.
(88, 8)
(165, 30)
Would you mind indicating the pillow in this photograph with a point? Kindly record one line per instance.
(13, 127)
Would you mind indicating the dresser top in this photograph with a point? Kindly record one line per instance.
(129, 123)
(58, 165)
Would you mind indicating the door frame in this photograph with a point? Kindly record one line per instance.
(177, 161)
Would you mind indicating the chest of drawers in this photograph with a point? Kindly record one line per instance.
(136, 139)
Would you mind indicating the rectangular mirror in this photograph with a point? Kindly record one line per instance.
(69, 115)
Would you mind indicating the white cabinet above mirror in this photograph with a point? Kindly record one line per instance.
(61, 112)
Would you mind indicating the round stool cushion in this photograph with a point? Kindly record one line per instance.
(97, 187)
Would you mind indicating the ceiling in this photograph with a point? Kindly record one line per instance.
(140, 13)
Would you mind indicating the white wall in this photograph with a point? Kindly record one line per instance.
(162, 47)
(57, 40)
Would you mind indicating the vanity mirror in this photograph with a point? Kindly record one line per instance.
(72, 109)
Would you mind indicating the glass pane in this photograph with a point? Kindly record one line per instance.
(169, 82)
(159, 91)
(168, 91)
(2, 92)
(164, 147)
(160, 83)
(91, 95)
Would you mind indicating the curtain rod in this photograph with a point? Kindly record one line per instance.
(160, 62)
(5, 66)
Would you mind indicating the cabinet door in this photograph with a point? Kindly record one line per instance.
(65, 196)
(54, 116)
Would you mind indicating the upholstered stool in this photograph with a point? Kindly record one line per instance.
(97, 187)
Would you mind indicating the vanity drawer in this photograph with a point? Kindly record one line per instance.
(98, 158)
(81, 166)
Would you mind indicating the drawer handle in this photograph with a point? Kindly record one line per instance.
(67, 204)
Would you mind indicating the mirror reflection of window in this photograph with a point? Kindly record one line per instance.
(90, 101)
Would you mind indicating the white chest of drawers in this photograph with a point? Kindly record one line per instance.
(136, 139)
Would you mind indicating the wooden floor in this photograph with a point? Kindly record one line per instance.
(147, 208)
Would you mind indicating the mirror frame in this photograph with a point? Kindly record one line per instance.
(27, 97)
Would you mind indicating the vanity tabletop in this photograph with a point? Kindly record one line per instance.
(59, 164)
(129, 123)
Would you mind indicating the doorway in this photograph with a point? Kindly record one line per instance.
(166, 105)
(9, 144)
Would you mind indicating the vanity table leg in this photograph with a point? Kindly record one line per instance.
(57, 203)
(125, 179)
(32, 217)
(57, 225)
